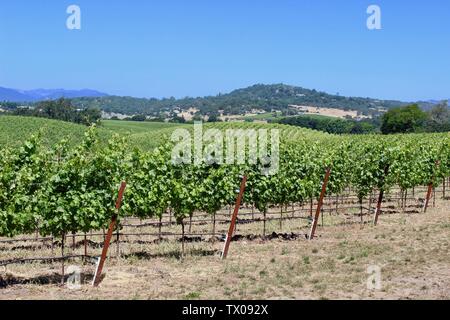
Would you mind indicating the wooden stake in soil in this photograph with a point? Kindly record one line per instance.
(98, 272)
(427, 200)
(233, 218)
(378, 209)
(319, 204)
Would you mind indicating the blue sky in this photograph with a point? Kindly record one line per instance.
(201, 47)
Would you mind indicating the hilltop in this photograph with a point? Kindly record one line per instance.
(259, 98)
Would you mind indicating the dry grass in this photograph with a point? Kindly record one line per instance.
(411, 249)
(328, 112)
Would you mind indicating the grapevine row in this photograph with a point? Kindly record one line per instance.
(63, 190)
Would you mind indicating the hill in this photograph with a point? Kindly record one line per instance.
(12, 95)
(253, 100)
(24, 96)
(264, 98)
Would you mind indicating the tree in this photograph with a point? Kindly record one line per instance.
(403, 120)
(139, 117)
(178, 120)
(90, 116)
(62, 109)
(440, 113)
(213, 117)
(439, 118)
(331, 125)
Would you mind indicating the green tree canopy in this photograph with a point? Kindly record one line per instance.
(403, 120)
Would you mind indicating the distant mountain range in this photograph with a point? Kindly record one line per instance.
(279, 97)
(14, 95)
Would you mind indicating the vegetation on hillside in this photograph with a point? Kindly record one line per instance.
(331, 125)
(61, 109)
(407, 119)
(264, 97)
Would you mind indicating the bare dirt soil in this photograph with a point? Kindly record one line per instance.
(411, 250)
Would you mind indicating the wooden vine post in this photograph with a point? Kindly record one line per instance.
(234, 217)
(380, 197)
(427, 199)
(101, 262)
(320, 204)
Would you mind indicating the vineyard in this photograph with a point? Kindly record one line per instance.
(15, 130)
(63, 194)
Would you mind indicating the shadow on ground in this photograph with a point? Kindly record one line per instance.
(9, 280)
